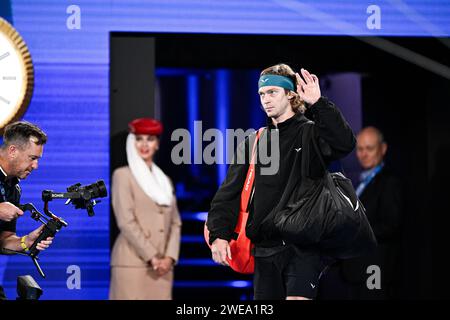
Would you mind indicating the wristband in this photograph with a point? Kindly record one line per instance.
(23, 245)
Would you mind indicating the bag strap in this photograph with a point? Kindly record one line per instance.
(327, 175)
(306, 149)
(319, 154)
(247, 189)
(316, 148)
(308, 140)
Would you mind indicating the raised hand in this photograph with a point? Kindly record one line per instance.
(308, 89)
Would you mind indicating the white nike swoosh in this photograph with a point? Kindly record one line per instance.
(348, 200)
(297, 149)
(264, 80)
(312, 286)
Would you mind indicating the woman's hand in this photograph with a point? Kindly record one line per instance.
(162, 265)
(166, 264)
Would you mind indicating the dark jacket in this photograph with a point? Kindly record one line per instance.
(382, 199)
(336, 140)
(12, 194)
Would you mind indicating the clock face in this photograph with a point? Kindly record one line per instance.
(16, 75)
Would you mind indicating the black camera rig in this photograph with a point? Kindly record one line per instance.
(82, 197)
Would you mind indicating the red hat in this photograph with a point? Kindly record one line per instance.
(146, 126)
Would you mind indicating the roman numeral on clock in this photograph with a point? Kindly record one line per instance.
(4, 55)
(4, 100)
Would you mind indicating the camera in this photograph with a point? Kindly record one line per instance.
(80, 196)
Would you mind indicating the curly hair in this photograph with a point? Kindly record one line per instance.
(281, 69)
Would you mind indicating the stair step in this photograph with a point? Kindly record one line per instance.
(194, 216)
(212, 294)
(194, 248)
(208, 272)
(212, 284)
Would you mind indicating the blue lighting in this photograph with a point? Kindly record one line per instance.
(258, 115)
(193, 107)
(240, 284)
(194, 216)
(197, 262)
(193, 239)
(222, 107)
(201, 216)
(211, 284)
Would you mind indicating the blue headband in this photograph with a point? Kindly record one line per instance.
(276, 80)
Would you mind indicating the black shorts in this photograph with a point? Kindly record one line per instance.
(291, 272)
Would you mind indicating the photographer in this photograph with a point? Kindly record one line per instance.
(22, 147)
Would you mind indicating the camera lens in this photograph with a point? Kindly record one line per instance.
(101, 191)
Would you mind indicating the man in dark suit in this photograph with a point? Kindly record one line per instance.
(373, 276)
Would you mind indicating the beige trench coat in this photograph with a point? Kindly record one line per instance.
(146, 229)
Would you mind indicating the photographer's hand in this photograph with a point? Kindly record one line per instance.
(9, 240)
(32, 236)
(9, 212)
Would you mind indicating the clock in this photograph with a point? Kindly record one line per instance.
(16, 75)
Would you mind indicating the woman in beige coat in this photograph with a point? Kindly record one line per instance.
(145, 207)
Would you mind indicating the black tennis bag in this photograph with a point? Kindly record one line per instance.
(325, 212)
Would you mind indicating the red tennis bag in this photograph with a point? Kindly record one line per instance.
(242, 260)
